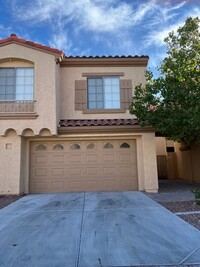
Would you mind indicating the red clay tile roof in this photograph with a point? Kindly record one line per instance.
(103, 122)
(13, 38)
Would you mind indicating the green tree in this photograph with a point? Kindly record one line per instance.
(171, 102)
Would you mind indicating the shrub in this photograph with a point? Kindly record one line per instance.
(197, 195)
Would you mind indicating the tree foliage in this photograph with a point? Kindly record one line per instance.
(171, 102)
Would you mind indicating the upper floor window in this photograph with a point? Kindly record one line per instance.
(16, 83)
(103, 93)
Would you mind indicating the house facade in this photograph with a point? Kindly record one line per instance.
(65, 124)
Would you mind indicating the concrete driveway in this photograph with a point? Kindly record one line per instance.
(94, 229)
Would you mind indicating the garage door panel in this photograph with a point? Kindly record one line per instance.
(109, 185)
(74, 159)
(43, 159)
(58, 172)
(108, 157)
(41, 186)
(67, 166)
(127, 171)
(76, 186)
(57, 159)
(92, 185)
(91, 171)
(126, 157)
(58, 186)
(39, 159)
(128, 183)
(108, 171)
(74, 171)
(92, 157)
(41, 172)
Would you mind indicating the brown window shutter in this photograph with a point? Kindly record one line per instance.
(125, 93)
(80, 94)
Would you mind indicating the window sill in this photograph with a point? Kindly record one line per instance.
(19, 115)
(101, 111)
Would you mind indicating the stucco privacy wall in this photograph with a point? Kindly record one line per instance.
(45, 84)
(70, 74)
(10, 161)
(188, 162)
(160, 146)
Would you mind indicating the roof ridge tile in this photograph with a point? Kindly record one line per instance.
(14, 38)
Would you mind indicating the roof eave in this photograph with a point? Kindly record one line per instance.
(100, 129)
(58, 55)
(105, 61)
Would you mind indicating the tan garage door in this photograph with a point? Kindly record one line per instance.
(66, 166)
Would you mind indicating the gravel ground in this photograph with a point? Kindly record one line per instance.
(6, 200)
(182, 207)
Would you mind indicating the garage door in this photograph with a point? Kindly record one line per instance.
(66, 166)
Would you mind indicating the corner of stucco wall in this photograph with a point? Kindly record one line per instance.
(10, 164)
(150, 162)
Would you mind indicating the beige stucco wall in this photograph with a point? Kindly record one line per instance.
(188, 162)
(195, 151)
(150, 163)
(70, 74)
(45, 86)
(160, 146)
(10, 161)
(57, 95)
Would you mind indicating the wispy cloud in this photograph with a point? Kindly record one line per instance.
(4, 31)
(87, 14)
(117, 26)
(61, 41)
(100, 17)
(156, 37)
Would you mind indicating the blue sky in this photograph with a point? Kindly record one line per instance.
(97, 27)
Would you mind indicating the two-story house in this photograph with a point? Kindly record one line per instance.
(65, 124)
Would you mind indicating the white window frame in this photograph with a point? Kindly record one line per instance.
(21, 86)
(110, 96)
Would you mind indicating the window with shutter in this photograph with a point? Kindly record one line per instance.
(103, 94)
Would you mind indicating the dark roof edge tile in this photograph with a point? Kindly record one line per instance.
(103, 56)
(97, 122)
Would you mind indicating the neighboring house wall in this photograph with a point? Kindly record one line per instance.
(183, 163)
(166, 159)
(188, 161)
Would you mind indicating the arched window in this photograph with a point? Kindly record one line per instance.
(75, 146)
(124, 145)
(91, 146)
(108, 145)
(41, 147)
(58, 147)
